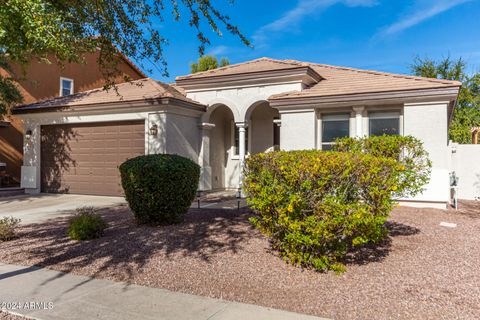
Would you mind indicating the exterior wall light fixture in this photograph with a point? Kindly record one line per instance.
(153, 130)
(28, 134)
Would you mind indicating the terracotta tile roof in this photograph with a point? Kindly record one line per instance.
(138, 90)
(335, 80)
(257, 65)
(344, 81)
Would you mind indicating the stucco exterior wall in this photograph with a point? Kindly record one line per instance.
(301, 129)
(241, 100)
(184, 142)
(220, 136)
(429, 123)
(261, 128)
(11, 147)
(43, 80)
(183, 136)
(466, 164)
(232, 169)
(298, 129)
(224, 164)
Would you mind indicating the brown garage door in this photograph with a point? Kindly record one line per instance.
(84, 158)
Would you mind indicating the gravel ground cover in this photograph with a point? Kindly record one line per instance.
(422, 271)
(9, 316)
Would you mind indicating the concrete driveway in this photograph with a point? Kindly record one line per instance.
(38, 208)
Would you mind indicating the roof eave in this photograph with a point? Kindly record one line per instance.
(305, 74)
(411, 95)
(118, 105)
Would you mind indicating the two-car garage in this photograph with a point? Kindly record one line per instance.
(84, 158)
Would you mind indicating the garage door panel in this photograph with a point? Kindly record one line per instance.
(123, 157)
(84, 143)
(84, 158)
(77, 171)
(104, 172)
(125, 143)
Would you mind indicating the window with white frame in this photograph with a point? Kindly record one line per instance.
(383, 123)
(334, 126)
(236, 139)
(66, 86)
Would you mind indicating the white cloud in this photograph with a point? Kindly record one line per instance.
(421, 11)
(303, 9)
(218, 50)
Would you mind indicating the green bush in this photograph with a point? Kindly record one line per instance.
(316, 206)
(86, 225)
(8, 226)
(407, 150)
(159, 188)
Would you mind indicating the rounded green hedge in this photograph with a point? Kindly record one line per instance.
(159, 188)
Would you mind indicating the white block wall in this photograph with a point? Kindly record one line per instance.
(466, 164)
(429, 123)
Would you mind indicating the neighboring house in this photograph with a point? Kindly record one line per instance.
(45, 81)
(218, 117)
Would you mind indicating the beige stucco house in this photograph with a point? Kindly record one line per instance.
(218, 117)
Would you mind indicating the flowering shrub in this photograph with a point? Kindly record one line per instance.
(407, 150)
(316, 206)
(8, 226)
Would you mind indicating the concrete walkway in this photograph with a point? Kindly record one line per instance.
(42, 207)
(66, 296)
(38, 208)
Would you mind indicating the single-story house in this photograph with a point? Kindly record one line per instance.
(218, 117)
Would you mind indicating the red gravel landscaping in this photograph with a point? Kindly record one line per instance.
(423, 271)
(9, 316)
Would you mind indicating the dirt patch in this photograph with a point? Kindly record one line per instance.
(422, 271)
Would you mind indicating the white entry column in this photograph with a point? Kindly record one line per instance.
(359, 121)
(242, 126)
(30, 170)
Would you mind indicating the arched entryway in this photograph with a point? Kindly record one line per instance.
(228, 136)
(223, 160)
(264, 128)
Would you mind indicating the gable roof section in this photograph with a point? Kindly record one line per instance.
(257, 65)
(143, 90)
(347, 81)
(262, 69)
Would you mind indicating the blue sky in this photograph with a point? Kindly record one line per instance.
(382, 35)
